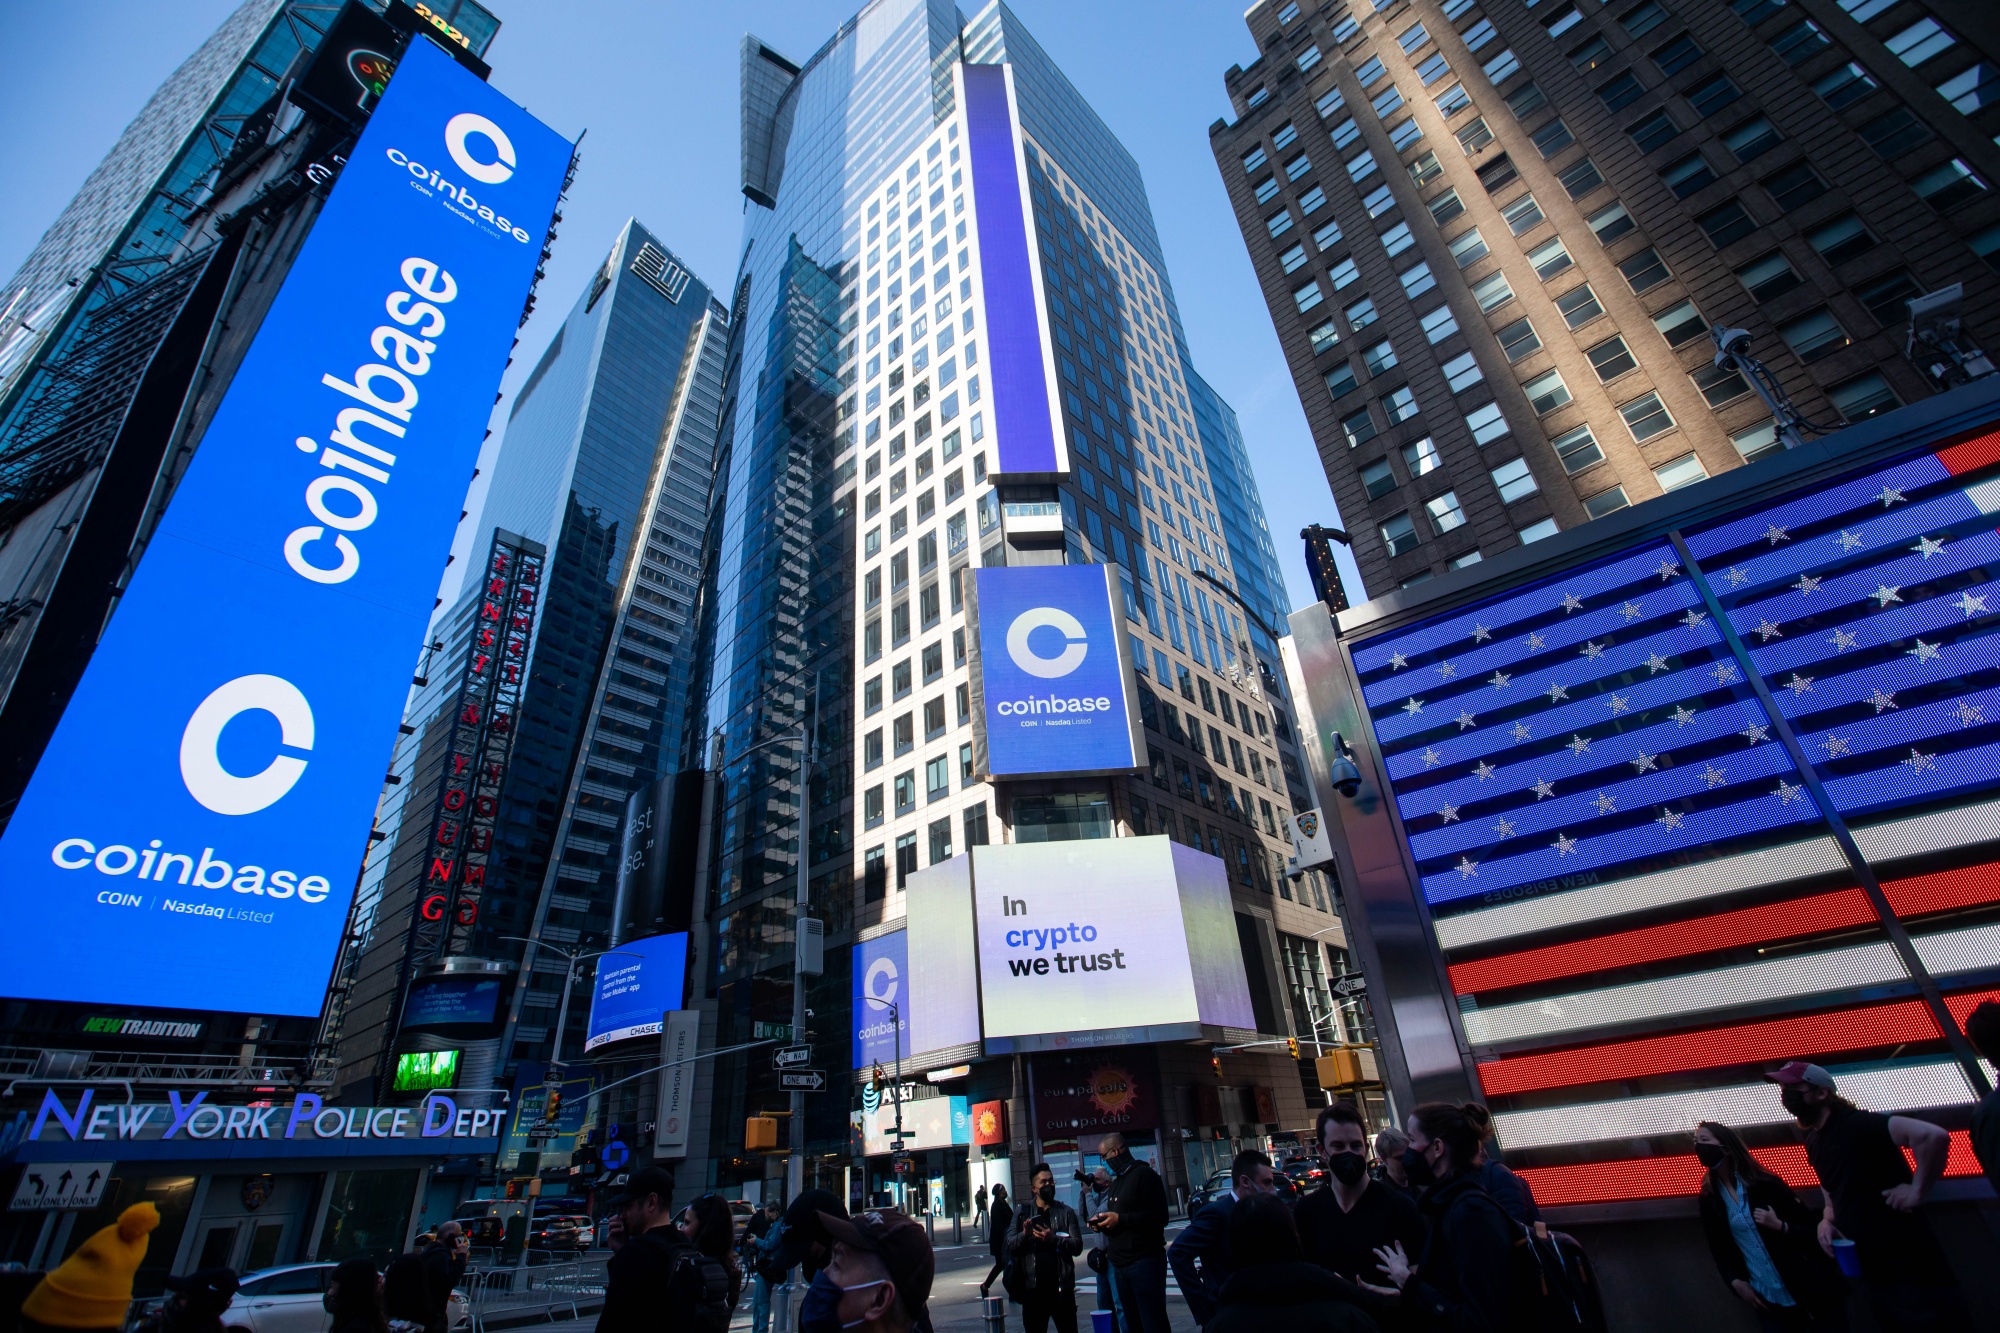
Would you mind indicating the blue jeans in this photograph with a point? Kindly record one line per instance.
(1142, 1295)
(760, 1304)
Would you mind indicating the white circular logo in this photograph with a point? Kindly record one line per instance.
(201, 768)
(871, 985)
(461, 127)
(1048, 668)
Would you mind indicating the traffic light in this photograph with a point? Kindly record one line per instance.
(553, 1111)
(760, 1132)
(1215, 1063)
(1292, 1045)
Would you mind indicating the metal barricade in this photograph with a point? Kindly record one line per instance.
(503, 1297)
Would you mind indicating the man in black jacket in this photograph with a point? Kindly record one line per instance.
(1042, 1246)
(1343, 1222)
(1134, 1222)
(646, 1287)
(418, 1286)
(1200, 1255)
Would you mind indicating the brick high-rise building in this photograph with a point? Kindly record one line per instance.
(1494, 239)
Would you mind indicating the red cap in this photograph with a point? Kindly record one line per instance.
(901, 1245)
(1799, 1072)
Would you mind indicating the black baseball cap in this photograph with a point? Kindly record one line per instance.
(902, 1246)
(653, 1179)
(803, 1229)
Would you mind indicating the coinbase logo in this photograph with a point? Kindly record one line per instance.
(1048, 668)
(201, 767)
(881, 982)
(457, 134)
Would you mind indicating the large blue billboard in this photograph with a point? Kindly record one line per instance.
(192, 834)
(880, 965)
(637, 983)
(1054, 676)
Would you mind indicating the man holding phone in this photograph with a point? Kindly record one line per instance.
(1134, 1223)
(1041, 1255)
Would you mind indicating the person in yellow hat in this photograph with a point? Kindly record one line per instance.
(93, 1287)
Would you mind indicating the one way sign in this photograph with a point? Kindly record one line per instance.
(802, 1080)
(51, 1185)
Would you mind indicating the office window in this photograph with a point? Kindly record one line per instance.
(1439, 324)
(1327, 233)
(1643, 19)
(1590, 55)
(1680, 323)
(1949, 185)
(1887, 298)
(1580, 178)
(1343, 274)
(1794, 186)
(1404, 133)
(1518, 340)
(1611, 358)
(1754, 12)
(1524, 214)
(1329, 102)
(906, 792)
(1267, 189)
(1421, 457)
(1610, 222)
(1800, 42)
(1293, 259)
(1425, 169)
(1841, 239)
(1278, 223)
(1492, 292)
(1865, 10)
(1340, 381)
(1421, 576)
(1621, 91)
(1712, 94)
(1478, 35)
(1606, 502)
(1360, 314)
(1452, 100)
(1688, 175)
(1868, 396)
(1432, 69)
(1921, 41)
(1359, 427)
(1462, 372)
(1285, 136)
(1399, 405)
(1683, 471)
(1370, 72)
(1487, 424)
(1718, 384)
(1753, 442)
(1324, 337)
(1254, 159)
(1397, 239)
(1445, 207)
(1308, 58)
(1534, 532)
(1399, 534)
(1845, 86)
(874, 874)
(1378, 479)
(906, 858)
(1644, 270)
(1445, 512)
(1752, 138)
(1288, 13)
(1646, 417)
(1562, 20)
(1549, 258)
(1726, 224)
(1345, 133)
(1502, 67)
(1676, 55)
(1649, 132)
(1474, 136)
(1514, 480)
(1467, 248)
(1498, 174)
(1895, 132)
(1972, 89)
(1813, 335)
(1579, 306)
(871, 749)
(1411, 38)
(1986, 244)
(1378, 201)
(1766, 277)
(1386, 101)
(1577, 449)
(1379, 358)
(1308, 296)
(1417, 280)
(1546, 392)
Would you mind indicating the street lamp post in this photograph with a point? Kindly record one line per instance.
(896, 1088)
(571, 958)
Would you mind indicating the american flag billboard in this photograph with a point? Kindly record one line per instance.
(1726, 798)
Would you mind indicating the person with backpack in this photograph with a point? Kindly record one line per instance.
(654, 1278)
(354, 1299)
(999, 1217)
(1509, 1190)
(417, 1287)
(1763, 1239)
(711, 1229)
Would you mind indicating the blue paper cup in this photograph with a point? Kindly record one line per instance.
(1103, 1321)
(1844, 1255)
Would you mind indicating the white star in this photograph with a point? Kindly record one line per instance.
(1578, 745)
(1694, 619)
(1890, 495)
(1645, 763)
(1480, 634)
(1736, 576)
(1683, 715)
(1970, 605)
(1504, 828)
(1849, 540)
(1448, 813)
(1787, 792)
(1591, 651)
(1842, 641)
(1631, 611)
(1467, 868)
(1483, 770)
(1776, 534)
(1807, 585)
(1756, 731)
(1498, 680)
(1521, 732)
(1605, 804)
(1885, 594)
(1655, 664)
(1467, 719)
(1670, 820)
(1535, 643)
(1432, 758)
(1446, 670)
(1928, 547)
(1725, 673)
(1923, 652)
(1882, 701)
(1413, 707)
(1543, 787)
(1557, 691)
(1397, 661)
(1799, 684)
(1715, 777)
(1769, 631)
(1835, 745)
(1564, 844)
(1571, 603)
(1667, 569)
(1918, 761)
(1968, 714)
(1619, 703)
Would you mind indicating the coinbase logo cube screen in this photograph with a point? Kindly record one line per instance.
(192, 835)
(1055, 674)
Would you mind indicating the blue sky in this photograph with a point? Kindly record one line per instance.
(654, 84)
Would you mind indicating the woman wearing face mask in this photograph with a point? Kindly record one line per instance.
(1763, 1238)
(1464, 1278)
(354, 1299)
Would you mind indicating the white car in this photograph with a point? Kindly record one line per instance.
(292, 1300)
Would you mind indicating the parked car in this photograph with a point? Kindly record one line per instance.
(290, 1300)
(740, 1212)
(1308, 1172)
(1210, 1188)
(562, 1231)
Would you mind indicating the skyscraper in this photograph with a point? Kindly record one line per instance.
(861, 484)
(1494, 242)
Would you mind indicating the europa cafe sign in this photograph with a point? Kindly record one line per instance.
(307, 1118)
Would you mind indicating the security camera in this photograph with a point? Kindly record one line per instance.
(1341, 770)
(1731, 342)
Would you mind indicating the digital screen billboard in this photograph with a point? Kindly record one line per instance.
(880, 966)
(245, 695)
(420, 1071)
(637, 983)
(452, 1002)
(1647, 802)
(1055, 675)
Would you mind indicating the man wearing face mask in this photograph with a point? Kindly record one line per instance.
(1134, 1222)
(1343, 1222)
(877, 1278)
(1872, 1198)
(1042, 1246)
(1199, 1256)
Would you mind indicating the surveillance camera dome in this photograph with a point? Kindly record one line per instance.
(1733, 340)
(1346, 778)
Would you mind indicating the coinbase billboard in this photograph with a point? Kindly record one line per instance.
(880, 968)
(1055, 673)
(192, 834)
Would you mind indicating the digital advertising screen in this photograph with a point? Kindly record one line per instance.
(452, 1002)
(247, 691)
(421, 1071)
(1055, 676)
(880, 968)
(637, 983)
